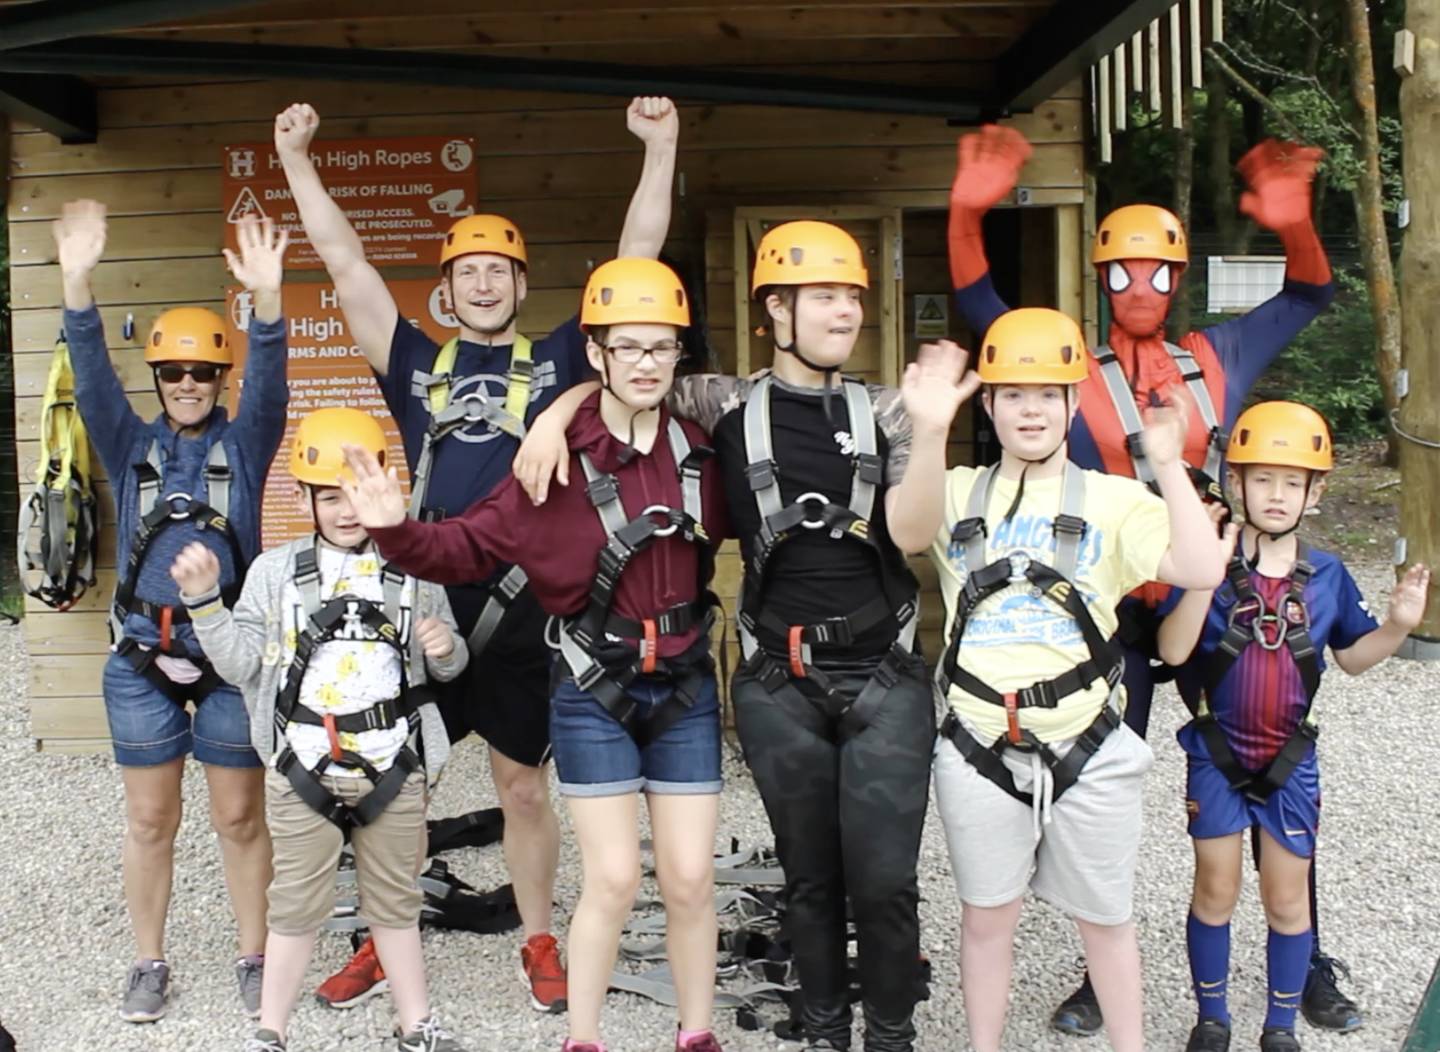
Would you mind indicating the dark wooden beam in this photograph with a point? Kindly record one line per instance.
(64, 106)
(45, 21)
(1063, 45)
(102, 56)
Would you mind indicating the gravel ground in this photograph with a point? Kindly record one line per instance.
(67, 945)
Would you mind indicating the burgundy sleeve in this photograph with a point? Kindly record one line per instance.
(464, 549)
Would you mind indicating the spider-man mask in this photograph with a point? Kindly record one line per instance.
(1140, 292)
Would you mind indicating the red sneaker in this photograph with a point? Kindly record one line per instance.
(360, 979)
(698, 1043)
(542, 971)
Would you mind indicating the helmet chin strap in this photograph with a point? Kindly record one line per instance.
(1273, 536)
(1029, 461)
(630, 452)
(828, 371)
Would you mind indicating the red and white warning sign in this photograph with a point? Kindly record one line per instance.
(400, 195)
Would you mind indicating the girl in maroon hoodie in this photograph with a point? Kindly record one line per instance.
(622, 564)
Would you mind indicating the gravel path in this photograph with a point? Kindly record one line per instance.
(66, 939)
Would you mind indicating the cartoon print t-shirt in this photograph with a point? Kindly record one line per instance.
(1016, 638)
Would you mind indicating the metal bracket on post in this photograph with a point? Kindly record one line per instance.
(1402, 551)
(1402, 384)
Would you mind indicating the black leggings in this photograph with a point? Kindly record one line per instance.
(847, 815)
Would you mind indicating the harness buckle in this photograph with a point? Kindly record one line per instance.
(649, 646)
(1039, 695)
(835, 630)
(179, 510)
(804, 501)
(602, 489)
(1069, 525)
(331, 732)
(797, 651)
(1012, 720)
(760, 474)
(870, 468)
(1135, 445)
(664, 512)
(1019, 566)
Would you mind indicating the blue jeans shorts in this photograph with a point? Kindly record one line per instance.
(596, 756)
(148, 729)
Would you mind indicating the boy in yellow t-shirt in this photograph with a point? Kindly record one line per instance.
(1037, 779)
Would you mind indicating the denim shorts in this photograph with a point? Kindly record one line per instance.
(596, 756)
(147, 728)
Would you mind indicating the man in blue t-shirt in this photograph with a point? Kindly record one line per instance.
(461, 411)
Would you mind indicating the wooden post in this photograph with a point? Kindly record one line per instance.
(1418, 417)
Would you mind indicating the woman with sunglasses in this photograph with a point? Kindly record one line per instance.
(622, 565)
(191, 474)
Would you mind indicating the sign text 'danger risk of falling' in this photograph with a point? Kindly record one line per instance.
(400, 195)
(327, 369)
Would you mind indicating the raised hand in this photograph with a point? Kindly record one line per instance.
(196, 569)
(936, 384)
(435, 638)
(294, 128)
(653, 120)
(1407, 602)
(1166, 428)
(374, 491)
(1279, 175)
(260, 266)
(79, 237)
(989, 167)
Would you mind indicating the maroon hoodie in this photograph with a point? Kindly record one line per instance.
(558, 544)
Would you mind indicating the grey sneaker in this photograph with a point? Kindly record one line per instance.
(147, 989)
(264, 1041)
(428, 1037)
(250, 973)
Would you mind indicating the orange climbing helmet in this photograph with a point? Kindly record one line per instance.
(634, 290)
(1141, 232)
(189, 334)
(483, 233)
(317, 456)
(1282, 434)
(1033, 345)
(807, 252)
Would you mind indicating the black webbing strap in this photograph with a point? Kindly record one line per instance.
(143, 662)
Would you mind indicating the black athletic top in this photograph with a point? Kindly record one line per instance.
(811, 576)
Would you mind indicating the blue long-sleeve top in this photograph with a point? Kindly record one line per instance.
(122, 440)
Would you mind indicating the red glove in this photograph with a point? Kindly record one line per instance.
(989, 166)
(1280, 175)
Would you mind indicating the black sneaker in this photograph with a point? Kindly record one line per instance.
(7, 1040)
(1079, 1014)
(1276, 1039)
(1209, 1035)
(1324, 1006)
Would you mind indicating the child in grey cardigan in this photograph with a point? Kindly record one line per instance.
(332, 652)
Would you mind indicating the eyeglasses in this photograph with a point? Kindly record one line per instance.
(663, 353)
(203, 373)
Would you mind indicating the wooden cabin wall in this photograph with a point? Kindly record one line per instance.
(562, 166)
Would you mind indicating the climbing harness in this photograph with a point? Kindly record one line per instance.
(59, 534)
(810, 512)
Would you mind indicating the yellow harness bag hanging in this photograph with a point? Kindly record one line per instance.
(59, 533)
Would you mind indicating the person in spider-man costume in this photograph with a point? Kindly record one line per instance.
(1141, 253)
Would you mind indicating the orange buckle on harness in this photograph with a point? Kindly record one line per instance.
(334, 736)
(167, 616)
(649, 647)
(797, 651)
(1012, 717)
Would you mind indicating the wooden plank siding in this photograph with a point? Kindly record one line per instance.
(562, 166)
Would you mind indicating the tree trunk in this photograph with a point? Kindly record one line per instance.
(1370, 207)
(1228, 221)
(1183, 190)
(1419, 414)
